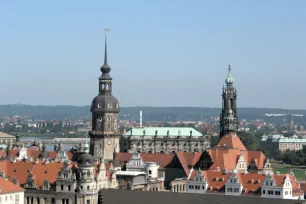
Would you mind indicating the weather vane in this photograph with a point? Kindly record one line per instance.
(106, 30)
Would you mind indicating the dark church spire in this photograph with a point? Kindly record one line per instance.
(105, 67)
(228, 118)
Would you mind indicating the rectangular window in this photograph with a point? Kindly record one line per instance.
(16, 199)
(236, 190)
(11, 197)
(203, 187)
(263, 191)
(69, 188)
(53, 200)
(88, 201)
(229, 190)
(62, 187)
(150, 172)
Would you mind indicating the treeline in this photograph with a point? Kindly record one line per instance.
(149, 113)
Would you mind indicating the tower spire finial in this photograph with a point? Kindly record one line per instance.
(229, 79)
(105, 67)
(105, 51)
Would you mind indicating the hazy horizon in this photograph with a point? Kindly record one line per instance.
(144, 106)
(162, 53)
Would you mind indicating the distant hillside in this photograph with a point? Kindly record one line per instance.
(132, 113)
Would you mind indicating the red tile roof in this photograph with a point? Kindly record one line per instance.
(251, 182)
(8, 187)
(279, 181)
(231, 141)
(216, 179)
(224, 158)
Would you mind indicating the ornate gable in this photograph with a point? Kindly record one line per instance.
(241, 164)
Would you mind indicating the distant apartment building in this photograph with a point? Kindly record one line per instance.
(6, 139)
(10, 193)
(283, 143)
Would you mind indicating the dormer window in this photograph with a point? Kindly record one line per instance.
(179, 133)
(167, 132)
(156, 132)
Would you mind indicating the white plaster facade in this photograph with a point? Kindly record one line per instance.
(233, 185)
(12, 198)
(270, 189)
(198, 184)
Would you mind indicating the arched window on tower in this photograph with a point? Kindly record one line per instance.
(109, 119)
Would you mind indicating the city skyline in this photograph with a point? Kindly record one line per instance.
(157, 60)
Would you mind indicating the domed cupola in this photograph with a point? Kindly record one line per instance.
(105, 106)
(86, 160)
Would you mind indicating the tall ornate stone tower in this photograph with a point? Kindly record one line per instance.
(228, 117)
(104, 137)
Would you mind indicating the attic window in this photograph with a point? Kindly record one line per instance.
(46, 171)
(14, 170)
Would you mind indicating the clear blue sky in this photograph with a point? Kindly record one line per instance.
(162, 53)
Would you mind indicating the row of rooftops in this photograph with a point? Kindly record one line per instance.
(251, 182)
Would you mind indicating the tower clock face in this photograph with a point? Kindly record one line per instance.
(109, 142)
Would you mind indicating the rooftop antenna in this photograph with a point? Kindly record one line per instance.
(140, 121)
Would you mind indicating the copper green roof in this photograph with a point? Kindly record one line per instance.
(163, 131)
(229, 78)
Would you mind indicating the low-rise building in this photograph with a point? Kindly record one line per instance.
(282, 143)
(282, 186)
(140, 175)
(7, 138)
(10, 193)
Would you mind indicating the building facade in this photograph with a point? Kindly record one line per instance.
(10, 193)
(140, 175)
(163, 140)
(6, 139)
(104, 137)
(282, 143)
